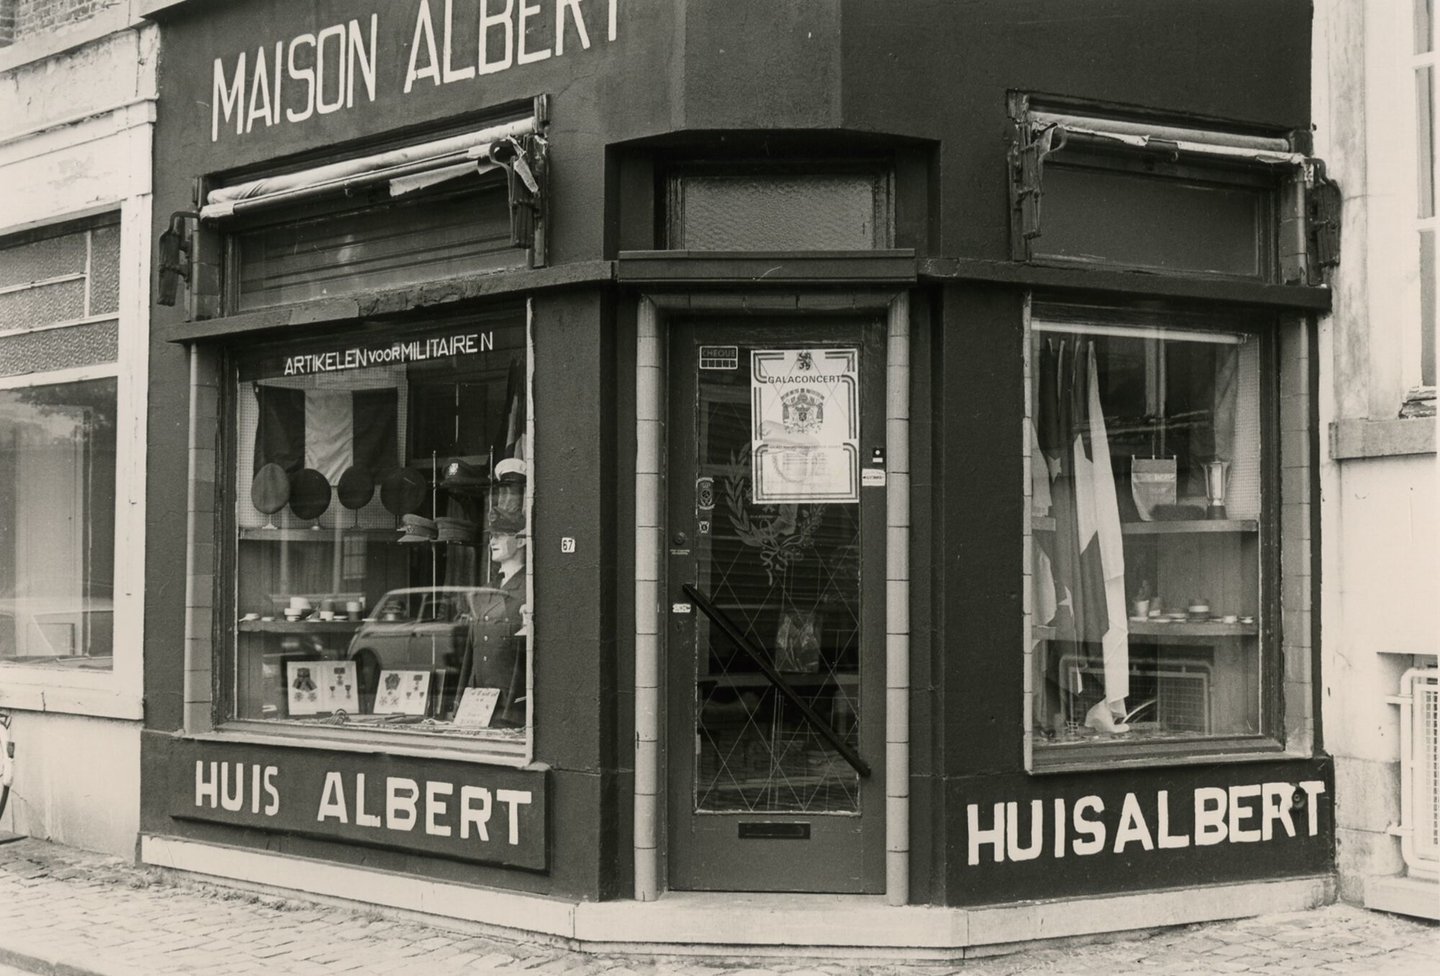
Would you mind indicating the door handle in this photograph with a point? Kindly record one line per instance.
(737, 636)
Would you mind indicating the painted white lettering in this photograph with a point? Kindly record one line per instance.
(1239, 811)
(995, 836)
(1012, 831)
(425, 29)
(206, 787)
(362, 817)
(1210, 816)
(1168, 841)
(1093, 829)
(1059, 819)
(305, 73)
(450, 74)
(474, 811)
(332, 800)
(1275, 805)
(272, 792)
(435, 808)
(259, 92)
(279, 62)
(1313, 788)
(361, 57)
(337, 32)
(574, 7)
(514, 799)
(528, 57)
(612, 19)
(488, 21)
(232, 803)
(255, 789)
(229, 98)
(1132, 826)
(400, 797)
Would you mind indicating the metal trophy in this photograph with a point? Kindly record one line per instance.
(1216, 473)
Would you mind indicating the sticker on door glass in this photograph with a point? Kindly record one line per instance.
(805, 425)
(719, 357)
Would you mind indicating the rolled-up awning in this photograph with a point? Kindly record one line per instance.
(1200, 142)
(404, 168)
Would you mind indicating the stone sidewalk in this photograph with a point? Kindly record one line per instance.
(66, 913)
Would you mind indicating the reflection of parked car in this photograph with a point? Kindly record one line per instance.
(78, 631)
(416, 629)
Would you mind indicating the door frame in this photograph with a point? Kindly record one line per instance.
(653, 315)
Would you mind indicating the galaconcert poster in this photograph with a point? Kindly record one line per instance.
(805, 425)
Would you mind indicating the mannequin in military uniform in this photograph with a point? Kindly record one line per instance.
(497, 629)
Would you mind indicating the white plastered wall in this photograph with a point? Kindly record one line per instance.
(1379, 528)
(75, 141)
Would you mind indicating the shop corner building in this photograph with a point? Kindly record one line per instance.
(618, 455)
(77, 111)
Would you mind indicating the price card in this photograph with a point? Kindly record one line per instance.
(477, 706)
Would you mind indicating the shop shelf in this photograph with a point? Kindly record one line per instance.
(318, 534)
(298, 626)
(1178, 628)
(1190, 526)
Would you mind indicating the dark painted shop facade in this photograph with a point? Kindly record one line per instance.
(617, 448)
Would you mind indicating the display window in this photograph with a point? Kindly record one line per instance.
(382, 531)
(1150, 516)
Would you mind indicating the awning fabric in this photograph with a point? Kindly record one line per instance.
(1203, 142)
(455, 153)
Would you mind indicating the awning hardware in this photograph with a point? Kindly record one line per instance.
(1042, 142)
(525, 159)
(1322, 216)
(177, 255)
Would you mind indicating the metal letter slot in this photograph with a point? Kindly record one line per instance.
(773, 830)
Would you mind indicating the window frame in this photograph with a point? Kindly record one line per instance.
(114, 693)
(517, 751)
(1122, 140)
(1270, 740)
(671, 215)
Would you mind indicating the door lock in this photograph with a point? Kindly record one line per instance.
(679, 539)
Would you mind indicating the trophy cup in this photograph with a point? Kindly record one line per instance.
(1216, 473)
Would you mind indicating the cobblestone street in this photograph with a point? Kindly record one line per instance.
(68, 912)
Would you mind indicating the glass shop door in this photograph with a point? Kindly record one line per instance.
(775, 647)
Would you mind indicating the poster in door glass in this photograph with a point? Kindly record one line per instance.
(805, 425)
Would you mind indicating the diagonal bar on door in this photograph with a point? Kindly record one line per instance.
(781, 685)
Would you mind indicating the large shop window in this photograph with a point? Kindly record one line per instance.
(59, 295)
(1150, 514)
(382, 569)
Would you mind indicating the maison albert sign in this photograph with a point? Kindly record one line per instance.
(344, 65)
(454, 810)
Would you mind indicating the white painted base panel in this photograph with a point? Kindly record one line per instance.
(1404, 896)
(694, 920)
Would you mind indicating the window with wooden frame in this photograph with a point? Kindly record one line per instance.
(1091, 190)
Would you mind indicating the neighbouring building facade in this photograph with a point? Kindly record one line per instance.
(619, 453)
(77, 109)
(1375, 115)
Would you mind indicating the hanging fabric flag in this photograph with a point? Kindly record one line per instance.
(1110, 543)
(327, 430)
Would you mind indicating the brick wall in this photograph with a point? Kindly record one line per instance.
(23, 19)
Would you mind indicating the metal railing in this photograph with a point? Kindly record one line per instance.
(1419, 827)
